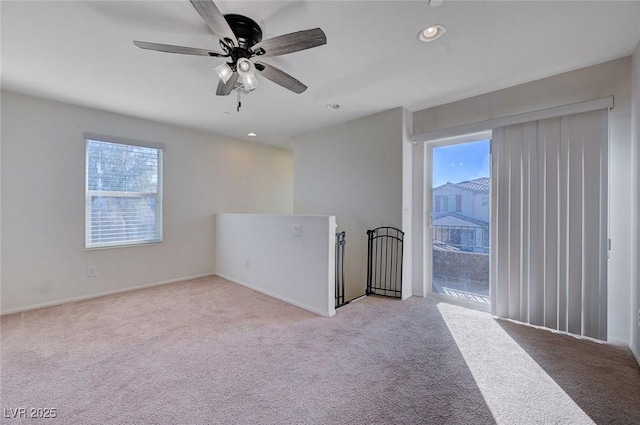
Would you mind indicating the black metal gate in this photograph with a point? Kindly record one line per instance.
(341, 241)
(384, 264)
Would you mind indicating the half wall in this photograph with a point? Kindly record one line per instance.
(288, 257)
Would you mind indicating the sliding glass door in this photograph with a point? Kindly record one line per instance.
(459, 217)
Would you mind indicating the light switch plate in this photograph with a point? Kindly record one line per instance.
(297, 230)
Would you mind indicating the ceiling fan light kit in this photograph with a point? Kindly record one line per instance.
(250, 83)
(224, 72)
(246, 68)
(241, 39)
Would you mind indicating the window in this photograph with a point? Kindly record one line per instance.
(458, 261)
(123, 193)
(452, 203)
(547, 209)
(448, 203)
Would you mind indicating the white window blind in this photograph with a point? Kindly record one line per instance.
(549, 227)
(123, 194)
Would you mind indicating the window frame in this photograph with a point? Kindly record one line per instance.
(90, 195)
(426, 231)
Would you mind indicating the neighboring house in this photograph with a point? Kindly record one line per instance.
(461, 215)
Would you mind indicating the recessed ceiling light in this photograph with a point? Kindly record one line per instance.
(252, 134)
(431, 33)
(333, 106)
(435, 3)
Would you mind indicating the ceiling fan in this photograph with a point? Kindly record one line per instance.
(241, 40)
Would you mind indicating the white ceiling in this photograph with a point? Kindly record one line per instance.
(82, 52)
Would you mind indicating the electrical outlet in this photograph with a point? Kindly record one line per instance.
(91, 271)
(297, 230)
(639, 317)
(246, 264)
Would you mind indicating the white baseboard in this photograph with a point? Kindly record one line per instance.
(636, 355)
(98, 295)
(279, 297)
(610, 340)
(617, 341)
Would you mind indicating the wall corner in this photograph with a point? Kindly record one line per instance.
(634, 338)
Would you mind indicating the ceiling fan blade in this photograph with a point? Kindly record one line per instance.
(216, 21)
(225, 89)
(280, 77)
(177, 49)
(289, 43)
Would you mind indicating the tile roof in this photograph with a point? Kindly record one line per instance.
(479, 185)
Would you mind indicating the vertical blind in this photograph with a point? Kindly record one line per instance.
(123, 194)
(549, 232)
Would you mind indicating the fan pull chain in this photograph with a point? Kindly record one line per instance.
(239, 102)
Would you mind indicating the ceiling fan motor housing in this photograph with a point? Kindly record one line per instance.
(247, 31)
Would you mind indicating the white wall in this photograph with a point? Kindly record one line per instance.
(262, 253)
(407, 201)
(0, 200)
(610, 78)
(635, 187)
(43, 174)
(355, 172)
(418, 199)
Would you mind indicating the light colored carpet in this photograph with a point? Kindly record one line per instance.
(208, 351)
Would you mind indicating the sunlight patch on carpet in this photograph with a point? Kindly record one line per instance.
(516, 389)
